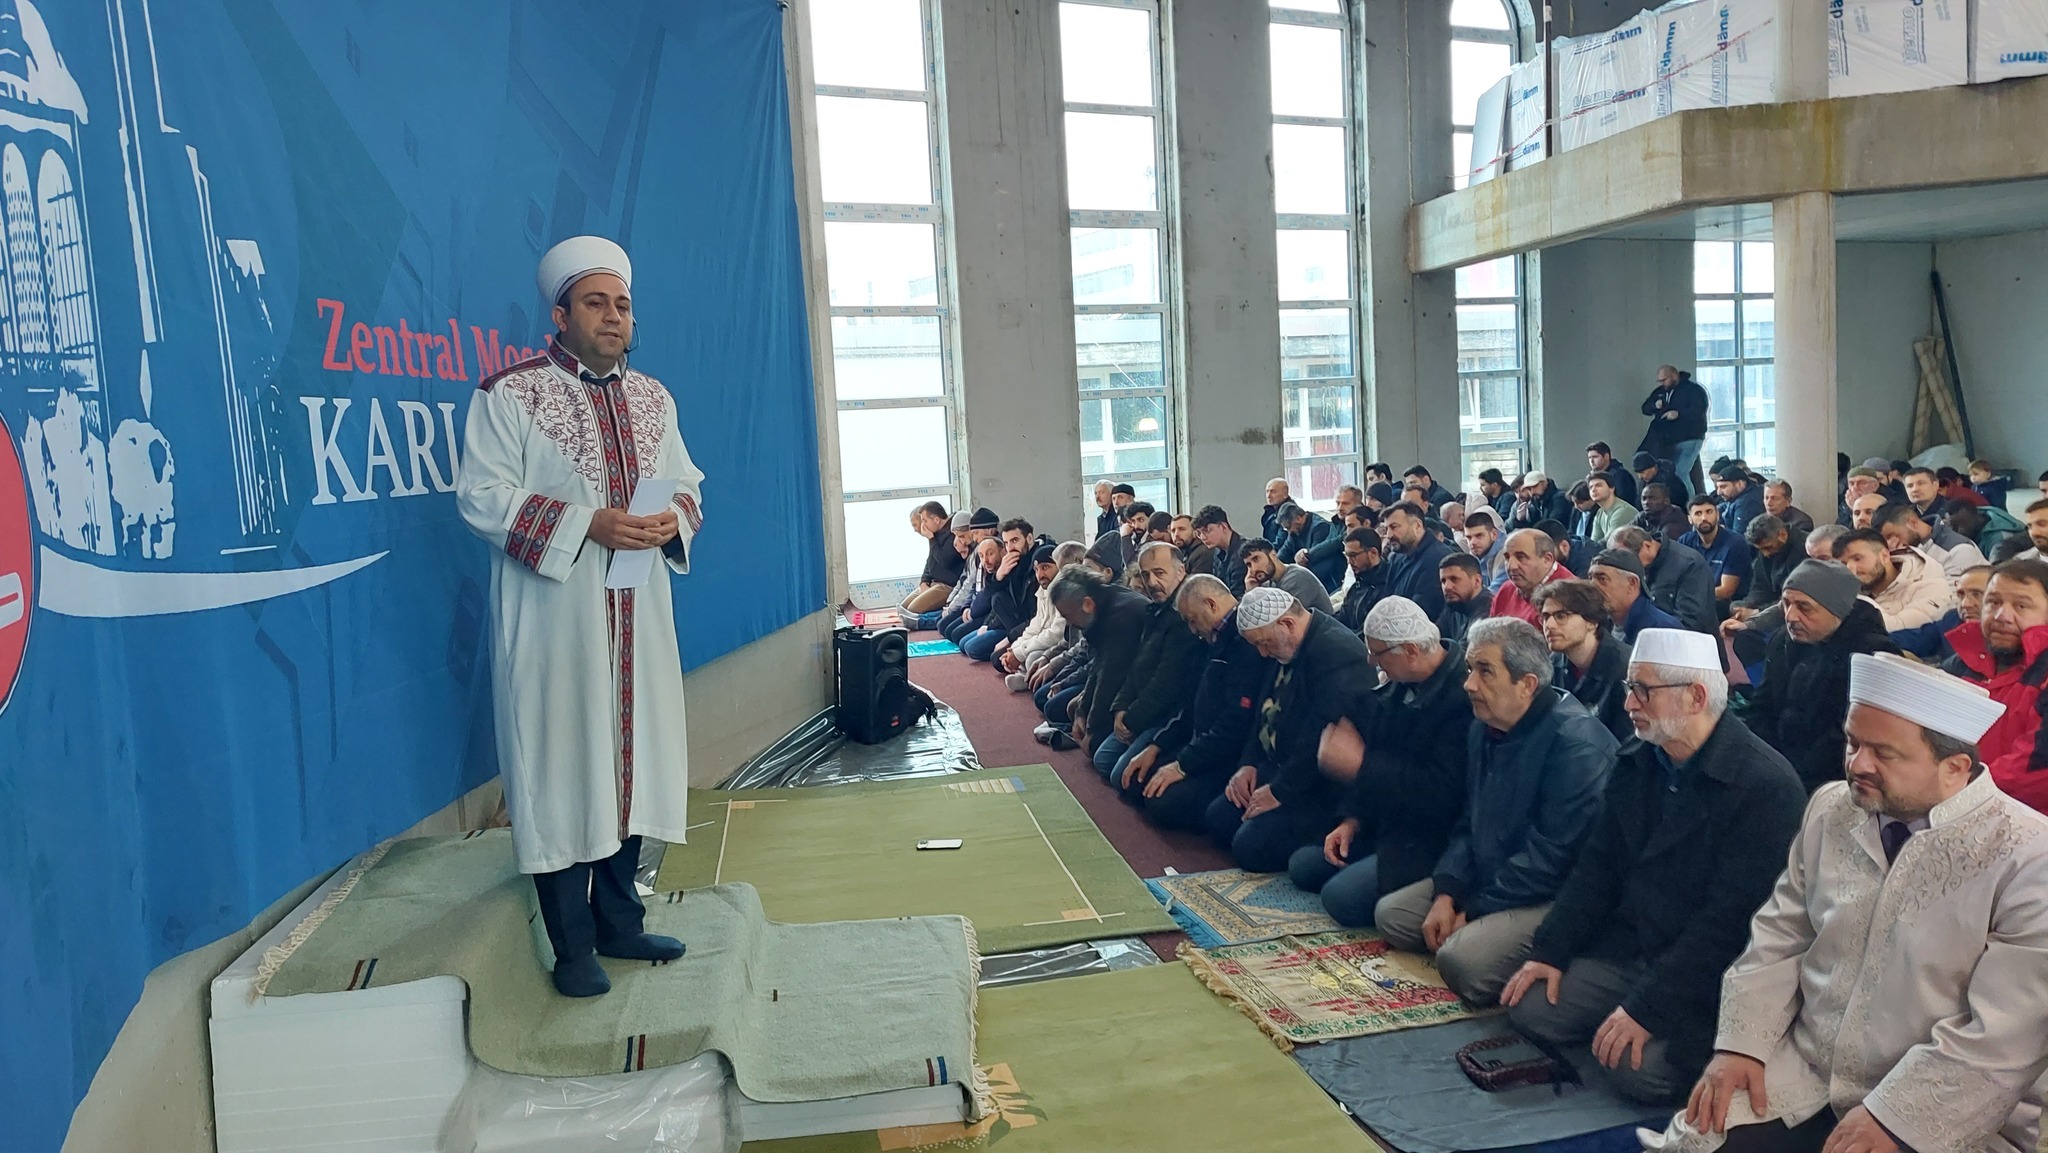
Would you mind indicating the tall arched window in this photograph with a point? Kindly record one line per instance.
(70, 290)
(24, 255)
(1493, 377)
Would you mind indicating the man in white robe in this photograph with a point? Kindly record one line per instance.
(588, 685)
(1894, 994)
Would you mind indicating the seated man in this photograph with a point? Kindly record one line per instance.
(1799, 708)
(1906, 588)
(1600, 458)
(957, 598)
(1536, 762)
(1778, 548)
(1013, 595)
(1586, 659)
(1725, 550)
(1278, 494)
(1678, 579)
(1661, 518)
(1531, 558)
(1212, 528)
(981, 584)
(1923, 493)
(1741, 499)
(1326, 558)
(1368, 577)
(1117, 549)
(1404, 756)
(2006, 650)
(1485, 541)
(1888, 998)
(1903, 528)
(1618, 574)
(1163, 673)
(1778, 503)
(1434, 495)
(1748, 632)
(1610, 512)
(1465, 598)
(1263, 566)
(1047, 636)
(1112, 617)
(1183, 770)
(1650, 470)
(1692, 833)
(1279, 799)
(1195, 556)
(942, 562)
(1411, 571)
(1299, 532)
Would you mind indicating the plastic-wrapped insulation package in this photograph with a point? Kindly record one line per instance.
(1489, 155)
(818, 753)
(2008, 38)
(1714, 54)
(688, 1108)
(1896, 45)
(1066, 961)
(1603, 83)
(1528, 139)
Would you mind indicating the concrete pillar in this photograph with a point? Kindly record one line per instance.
(1803, 260)
(1013, 269)
(1410, 330)
(1223, 128)
(1610, 312)
(1802, 44)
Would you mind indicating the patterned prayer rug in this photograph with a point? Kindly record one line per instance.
(937, 647)
(1233, 907)
(1327, 986)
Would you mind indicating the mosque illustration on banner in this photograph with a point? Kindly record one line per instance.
(110, 387)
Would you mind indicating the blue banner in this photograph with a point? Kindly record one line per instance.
(257, 256)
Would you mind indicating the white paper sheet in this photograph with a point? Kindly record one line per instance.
(631, 567)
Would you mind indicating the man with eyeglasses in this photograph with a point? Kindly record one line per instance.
(1586, 659)
(1368, 577)
(1692, 832)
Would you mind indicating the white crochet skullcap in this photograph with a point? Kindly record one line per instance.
(1264, 605)
(1400, 621)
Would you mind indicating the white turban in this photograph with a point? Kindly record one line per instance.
(1400, 621)
(1924, 695)
(578, 257)
(1264, 605)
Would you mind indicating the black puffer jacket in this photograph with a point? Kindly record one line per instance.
(1800, 707)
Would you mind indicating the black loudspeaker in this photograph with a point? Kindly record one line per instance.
(876, 701)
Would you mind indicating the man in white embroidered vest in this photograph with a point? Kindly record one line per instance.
(588, 686)
(1892, 995)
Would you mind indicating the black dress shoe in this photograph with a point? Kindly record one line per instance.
(645, 947)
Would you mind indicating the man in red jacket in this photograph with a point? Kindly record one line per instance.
(2006, 651)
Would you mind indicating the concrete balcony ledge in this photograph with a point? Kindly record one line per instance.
(1939, 138)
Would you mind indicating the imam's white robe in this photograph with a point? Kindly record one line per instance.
(587, 682)
(1919, 992)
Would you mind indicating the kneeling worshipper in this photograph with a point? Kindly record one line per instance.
(1536, 763)
(1892, 995)
(1691, 836)
(558, 448)
(1279, 799)
(1404, 756)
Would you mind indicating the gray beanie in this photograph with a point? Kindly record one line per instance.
(1828, 582)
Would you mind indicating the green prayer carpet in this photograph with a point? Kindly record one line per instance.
(801, 1012)
(1032, 870)
(1141, 1060)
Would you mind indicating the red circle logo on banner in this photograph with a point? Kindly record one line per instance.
(17, 565)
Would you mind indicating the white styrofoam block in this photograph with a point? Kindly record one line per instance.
(1896, 45)
(2008, 38)
(1489, 133)
(1713, 54)
(1603, 83)
(1528, 139)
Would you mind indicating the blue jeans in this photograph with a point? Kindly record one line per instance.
(925, 622)
(1056, 704)
(1113, 754)
(980, 645)
(1687, 453)
(1349, 893)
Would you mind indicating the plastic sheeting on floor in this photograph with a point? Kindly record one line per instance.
(1066, 961)
(817, 753)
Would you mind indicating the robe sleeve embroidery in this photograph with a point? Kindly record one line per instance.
(533, 528)
(542, 533)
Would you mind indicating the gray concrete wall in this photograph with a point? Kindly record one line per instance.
(1883, 304)
(1611, 311)
(1230, 282)
(1997, 291)
(1015, 354)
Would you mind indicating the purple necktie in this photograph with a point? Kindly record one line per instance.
(1894, 836)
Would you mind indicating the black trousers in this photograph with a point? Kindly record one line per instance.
(1777, 1137)
(591, 902)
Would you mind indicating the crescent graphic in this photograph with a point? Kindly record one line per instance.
(76, 589)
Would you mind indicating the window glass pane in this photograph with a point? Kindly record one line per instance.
(1314, 483)
(1330, 6)
(1106, 55)
(1719, 381)
(1715, 329)
(1308, 71)
(873, 151)
(1759, 394)
(1315, 343)
(1125, 350)
(1757, 269)
(1309, 172)
(1713, 266)
(1111, 162)
(1760, 448)
(1506, 458)
(880, 544)
(1487, 278)
(1318, 421)
(886, 357)
(1479, 14)
(868, 43)
(1129, 434)
(1315, 264)
(1718, 444)
(1474, 69)
(1486, 337)
(1757, 327)
(1489, 409)
(893, 448)
(1116, 265)
(1461, 159)
(869, 265)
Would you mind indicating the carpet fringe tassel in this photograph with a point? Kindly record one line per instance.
(275, 956)
(1200, 964)
(981, 1097)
